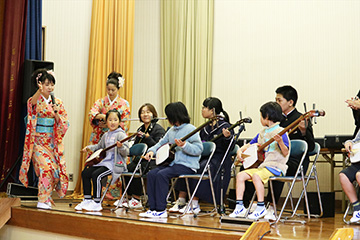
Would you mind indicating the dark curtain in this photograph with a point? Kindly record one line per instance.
(34, 30)
(33, 51)
(11, 67)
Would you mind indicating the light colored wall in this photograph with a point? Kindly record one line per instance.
(147, 72)
(312, 45)
(67, 45)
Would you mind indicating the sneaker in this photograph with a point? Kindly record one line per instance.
(81, 205)
(238, 212)
(93, 206)
(122, 204)
(176, 208)
(270, 214)
(194, 210)
(356, 217)
(43, 205)
(258, 213)
(148, 213)
(161, 214)
(133, 203)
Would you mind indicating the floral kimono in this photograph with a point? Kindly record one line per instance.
(102, 106)
(44, 146)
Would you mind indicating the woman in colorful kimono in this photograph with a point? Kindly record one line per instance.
(47, 124)
(98, 112)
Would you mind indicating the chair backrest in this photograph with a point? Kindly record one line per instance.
(234, 150)
(298, 150)
(208, 149)
(138, 149)
(316, 151)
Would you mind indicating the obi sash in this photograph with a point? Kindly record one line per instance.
(45, 125)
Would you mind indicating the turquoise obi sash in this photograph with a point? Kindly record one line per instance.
(45, 125)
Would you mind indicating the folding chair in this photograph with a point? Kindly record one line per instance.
(208, 151)
(312, 176)
(139, 150)
(298, 149)
(349, 206)
(136, 150)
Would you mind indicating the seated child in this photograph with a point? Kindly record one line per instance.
(275, 157)
(96, 172)
(348, 176)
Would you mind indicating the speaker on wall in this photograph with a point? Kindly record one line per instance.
(30, 66)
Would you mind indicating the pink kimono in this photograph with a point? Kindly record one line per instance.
(44, 146)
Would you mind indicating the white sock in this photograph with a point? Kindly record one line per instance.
(195, 203)
(182, 200)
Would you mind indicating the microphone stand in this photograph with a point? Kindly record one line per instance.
(221, 209)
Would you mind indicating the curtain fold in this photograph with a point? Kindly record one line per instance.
(186, 53)
(111, 49)
(11, 67)
(33, 30)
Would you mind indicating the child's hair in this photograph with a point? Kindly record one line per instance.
(113, 111)
(150, 107)
(271, 111)
(40, 75)
(213, 102)
(114, 78)
(288, 92)
(177, 113)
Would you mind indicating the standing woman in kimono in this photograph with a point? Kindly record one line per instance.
(112, 101)
(47, 124)
(98, 112)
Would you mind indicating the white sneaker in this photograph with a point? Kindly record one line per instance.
(133, 203)
(258, 213)
(194, 210)
(122, 204)
(92, 206)
(270, 214)
(162, 214)
(178, 205)
(355, 217)
(148, 213)
(43, 205)
(238, 212)
(81, 205)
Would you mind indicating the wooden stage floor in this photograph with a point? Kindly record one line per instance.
(107, 224)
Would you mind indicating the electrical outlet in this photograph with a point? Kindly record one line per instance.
(71, 177)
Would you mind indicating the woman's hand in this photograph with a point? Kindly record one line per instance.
(179, 142)
(85, 149)
(102, 120)
(149, 156)
(353, 103)
(55, 108)
(348, 146)
(226, 132)
(40, 86)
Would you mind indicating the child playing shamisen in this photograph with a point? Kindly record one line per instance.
(274, 164)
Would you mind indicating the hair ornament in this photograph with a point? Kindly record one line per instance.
(121, 81)
(51, 72)
(38, 77)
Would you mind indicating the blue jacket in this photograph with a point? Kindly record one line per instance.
(189, 155)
